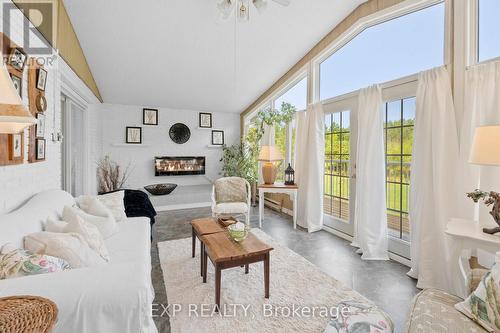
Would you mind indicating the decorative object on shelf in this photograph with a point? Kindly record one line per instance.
(14, 116)
(269, 155)
(110, 176)
(149, 116)
(289, 175)
(41, 103)
(40, 125)
(486, 151)
(15, 147)
(133, 135)
(226, 7)
(217, 138)
(179, 133)
(489, 198)
(41, 79)
(160, 189)
(205, 120)
(17, 82)
(17, 58)
(40, 149)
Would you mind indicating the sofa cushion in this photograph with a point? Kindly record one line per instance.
(115, 202)
(90, 233)
(20, 262)
(53, 225)
(433, 311)
(231, 208)
(106, 225)
(68, 246)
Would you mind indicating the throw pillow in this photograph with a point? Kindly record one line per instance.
(106, 225)
(353, 316)
(20, 262)
(483, 304)
(114, 201)
(68, 246)
(54, 225)
(90, 234)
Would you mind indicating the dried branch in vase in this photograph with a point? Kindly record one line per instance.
(109, 175)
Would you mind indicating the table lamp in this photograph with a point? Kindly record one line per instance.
(14, 116)
(268, 155)
(486, 151)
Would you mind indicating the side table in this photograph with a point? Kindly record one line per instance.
(291, 190)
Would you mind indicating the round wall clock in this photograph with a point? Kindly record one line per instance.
(179, 133)
(41, 103)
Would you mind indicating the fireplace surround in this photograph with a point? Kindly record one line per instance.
(179, 165)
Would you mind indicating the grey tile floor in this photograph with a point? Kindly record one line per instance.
(383, 282)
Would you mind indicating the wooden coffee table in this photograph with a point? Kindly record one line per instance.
(225, 253)
(200, 227)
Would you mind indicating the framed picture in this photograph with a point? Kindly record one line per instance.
(41, 103)
(205, 120)
(134, 135)
(40, 149)
(16, 146)
(150, 116)
(17, 59)
(40, 125)
(41, 79)
(17, 82)
(218, 138)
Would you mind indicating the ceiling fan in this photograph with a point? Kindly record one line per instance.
(243, 7)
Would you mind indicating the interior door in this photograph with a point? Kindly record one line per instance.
(74, 143)
(339, 191)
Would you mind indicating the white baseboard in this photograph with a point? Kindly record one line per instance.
(183, 206)
(392, 256)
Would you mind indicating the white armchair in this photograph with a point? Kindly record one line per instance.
(231, 196)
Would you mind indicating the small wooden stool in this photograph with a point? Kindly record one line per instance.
(27, 314)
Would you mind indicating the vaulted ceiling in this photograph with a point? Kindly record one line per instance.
(176, 53)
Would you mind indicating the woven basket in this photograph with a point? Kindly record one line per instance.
(27, 314)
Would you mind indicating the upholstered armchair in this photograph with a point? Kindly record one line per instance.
(231, 196)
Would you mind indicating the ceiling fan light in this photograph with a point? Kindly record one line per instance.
(260, 5)
(243, 10)
(225, 7)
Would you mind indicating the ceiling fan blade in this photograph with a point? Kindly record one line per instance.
(283, 2)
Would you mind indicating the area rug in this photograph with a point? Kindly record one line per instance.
(302, 297)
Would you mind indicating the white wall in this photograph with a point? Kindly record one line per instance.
(19, 182)
(156, 142)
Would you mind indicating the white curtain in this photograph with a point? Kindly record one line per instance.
(309, 165)
(370, 219)
(482, 107)
(433, 190)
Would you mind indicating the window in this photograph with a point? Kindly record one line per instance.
(489, 28)
(387, 51)
(399, 122)
(285, 135)
(337, 157)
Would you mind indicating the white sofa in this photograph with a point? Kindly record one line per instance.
(113, 297)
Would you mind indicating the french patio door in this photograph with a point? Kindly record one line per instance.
(340, 164)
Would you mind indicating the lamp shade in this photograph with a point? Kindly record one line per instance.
(486, 146)
(270, 154)
(14, 116)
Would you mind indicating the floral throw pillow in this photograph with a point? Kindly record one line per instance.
(354, 317)
(20, 262)
(483, 305)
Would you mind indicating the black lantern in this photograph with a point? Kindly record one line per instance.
(289, 175)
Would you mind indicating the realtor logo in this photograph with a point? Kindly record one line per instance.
(39, 24)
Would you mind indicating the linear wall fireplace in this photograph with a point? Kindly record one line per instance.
(179, 166)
